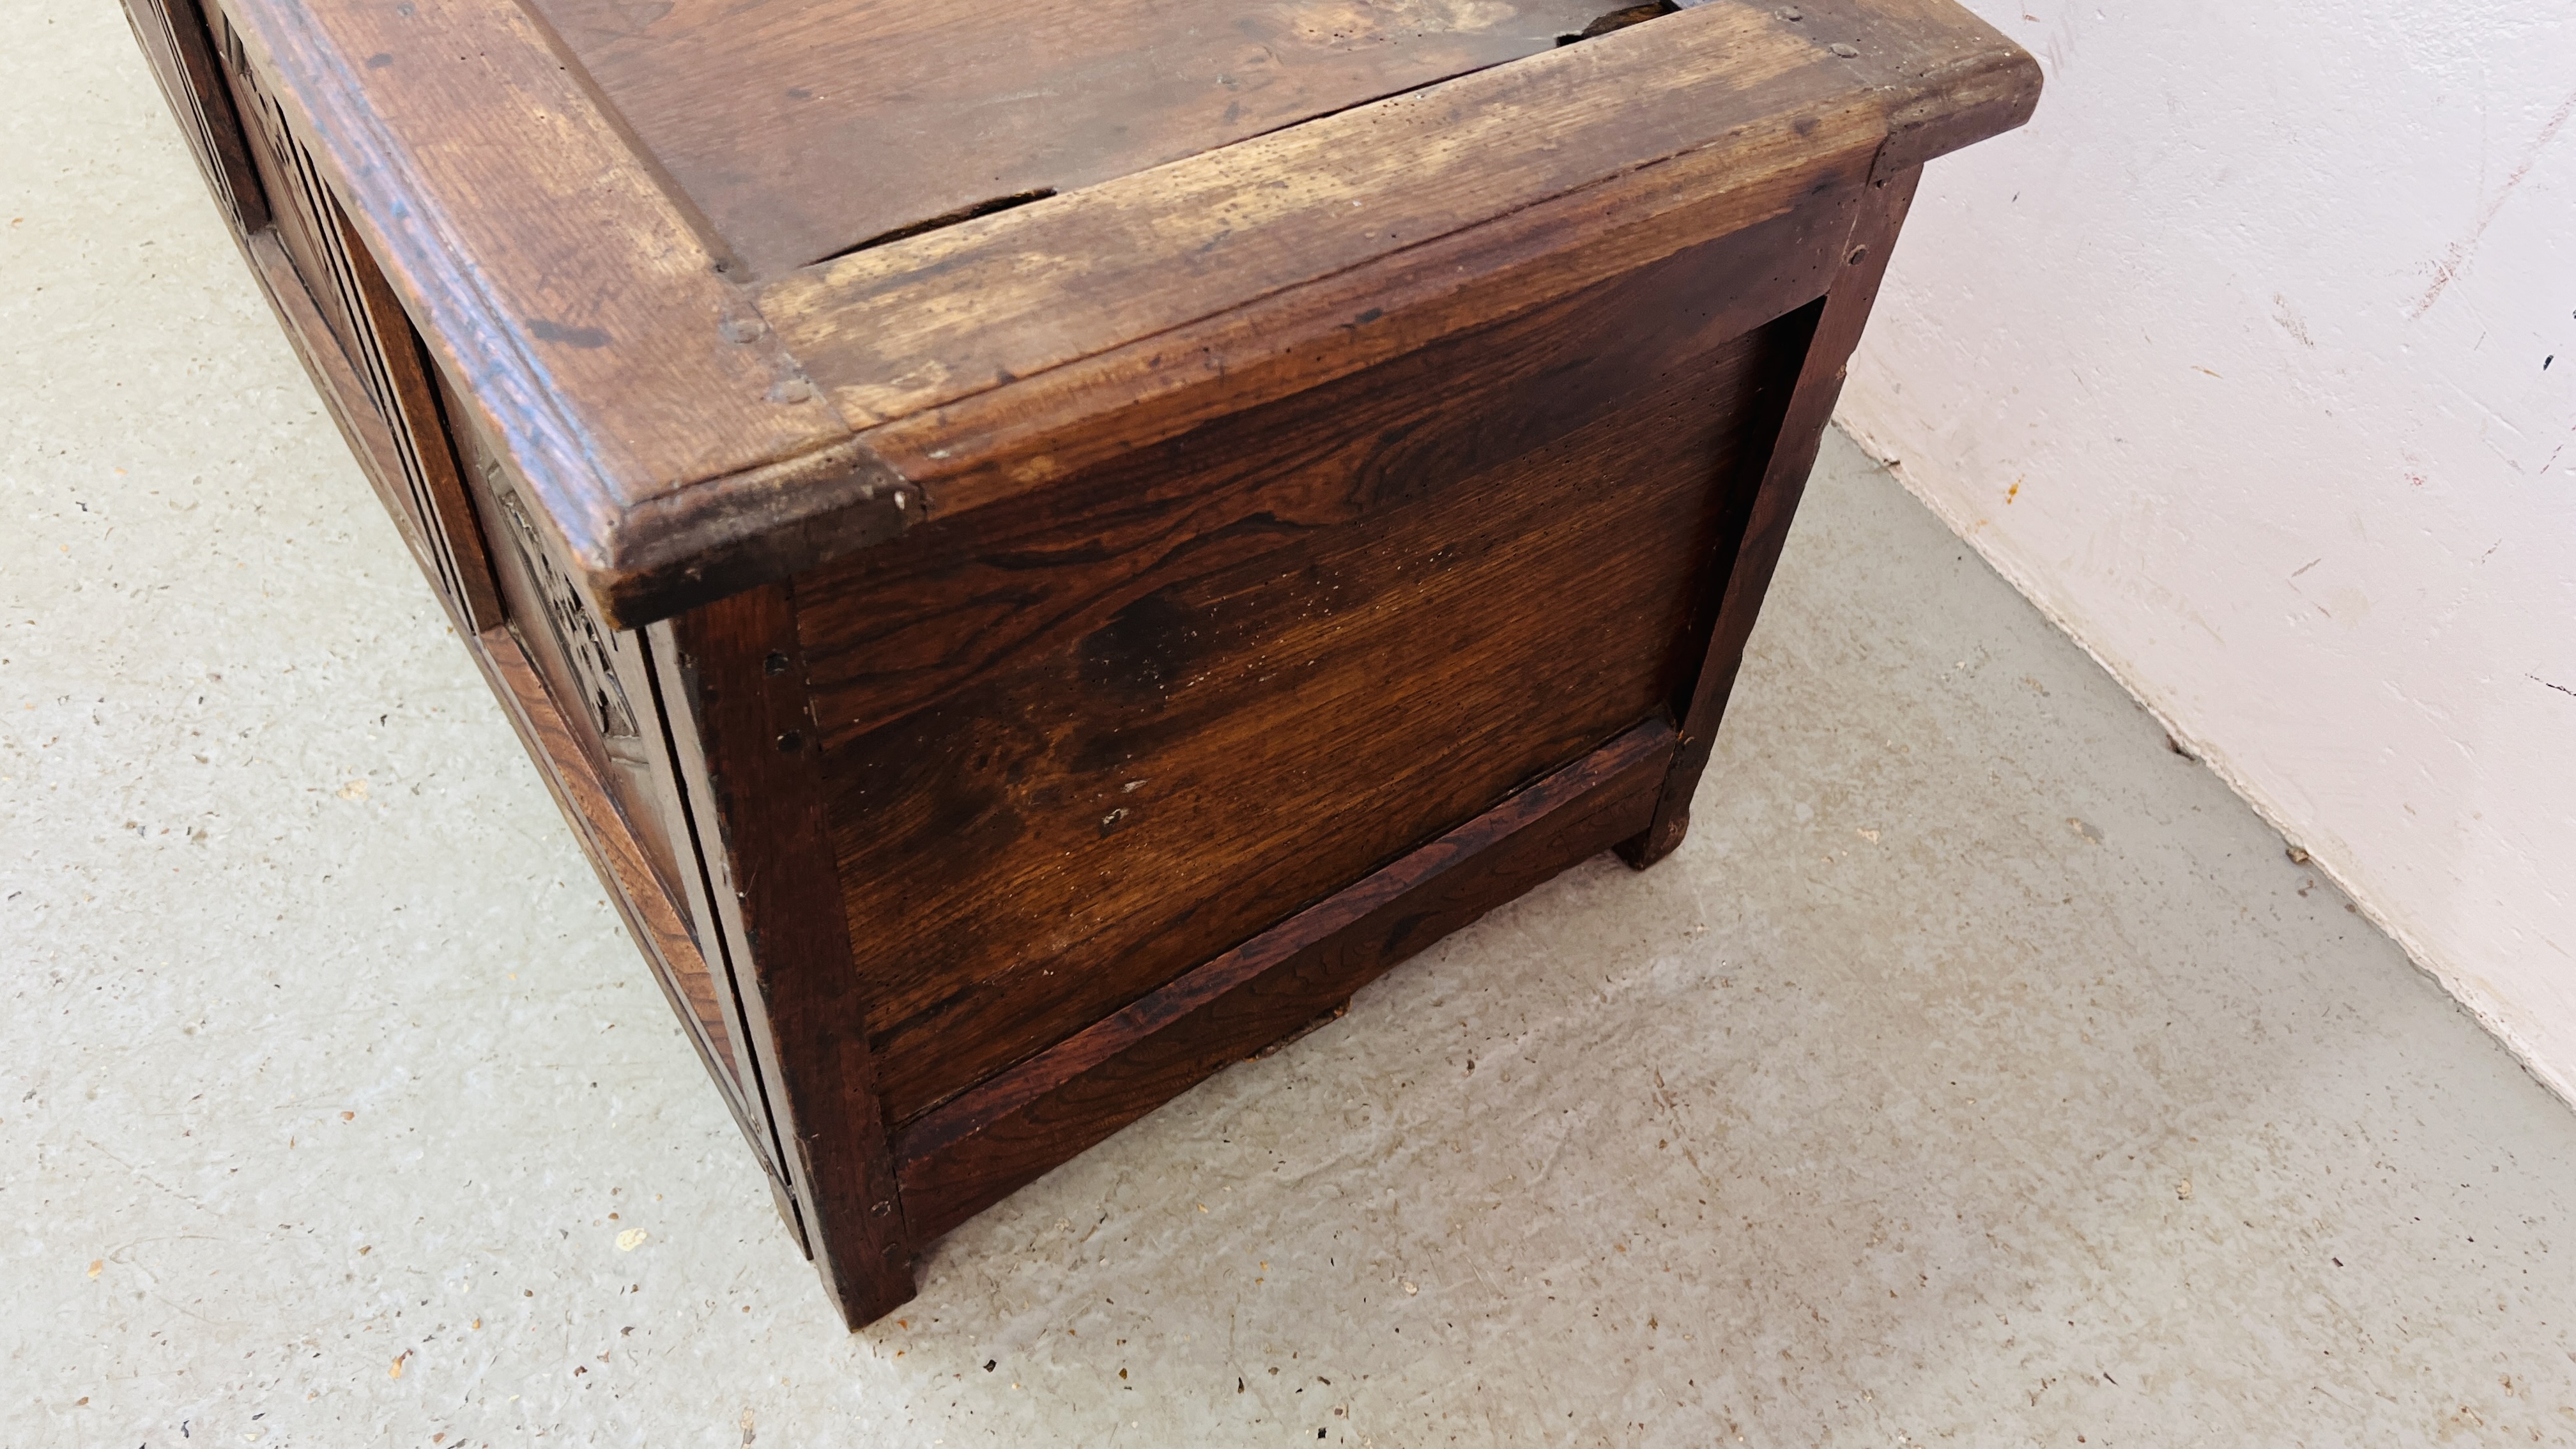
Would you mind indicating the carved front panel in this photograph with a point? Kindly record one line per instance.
(576, 634)
(598, 677)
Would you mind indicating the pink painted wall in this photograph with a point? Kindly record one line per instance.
(2253, 362)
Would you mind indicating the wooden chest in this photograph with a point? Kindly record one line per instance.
(1041, 548)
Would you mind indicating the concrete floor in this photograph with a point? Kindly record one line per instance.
(1980, 1071)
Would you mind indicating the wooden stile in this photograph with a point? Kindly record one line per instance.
(1038, 559)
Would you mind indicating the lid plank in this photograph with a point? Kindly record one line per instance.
(803, 128)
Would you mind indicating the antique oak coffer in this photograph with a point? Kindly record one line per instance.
(1041, 546)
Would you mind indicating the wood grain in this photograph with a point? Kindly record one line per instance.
(1070, 757)
(972, 1152)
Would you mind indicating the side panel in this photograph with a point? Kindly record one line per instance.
(1075, 750)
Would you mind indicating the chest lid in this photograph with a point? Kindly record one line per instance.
(739, 285)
